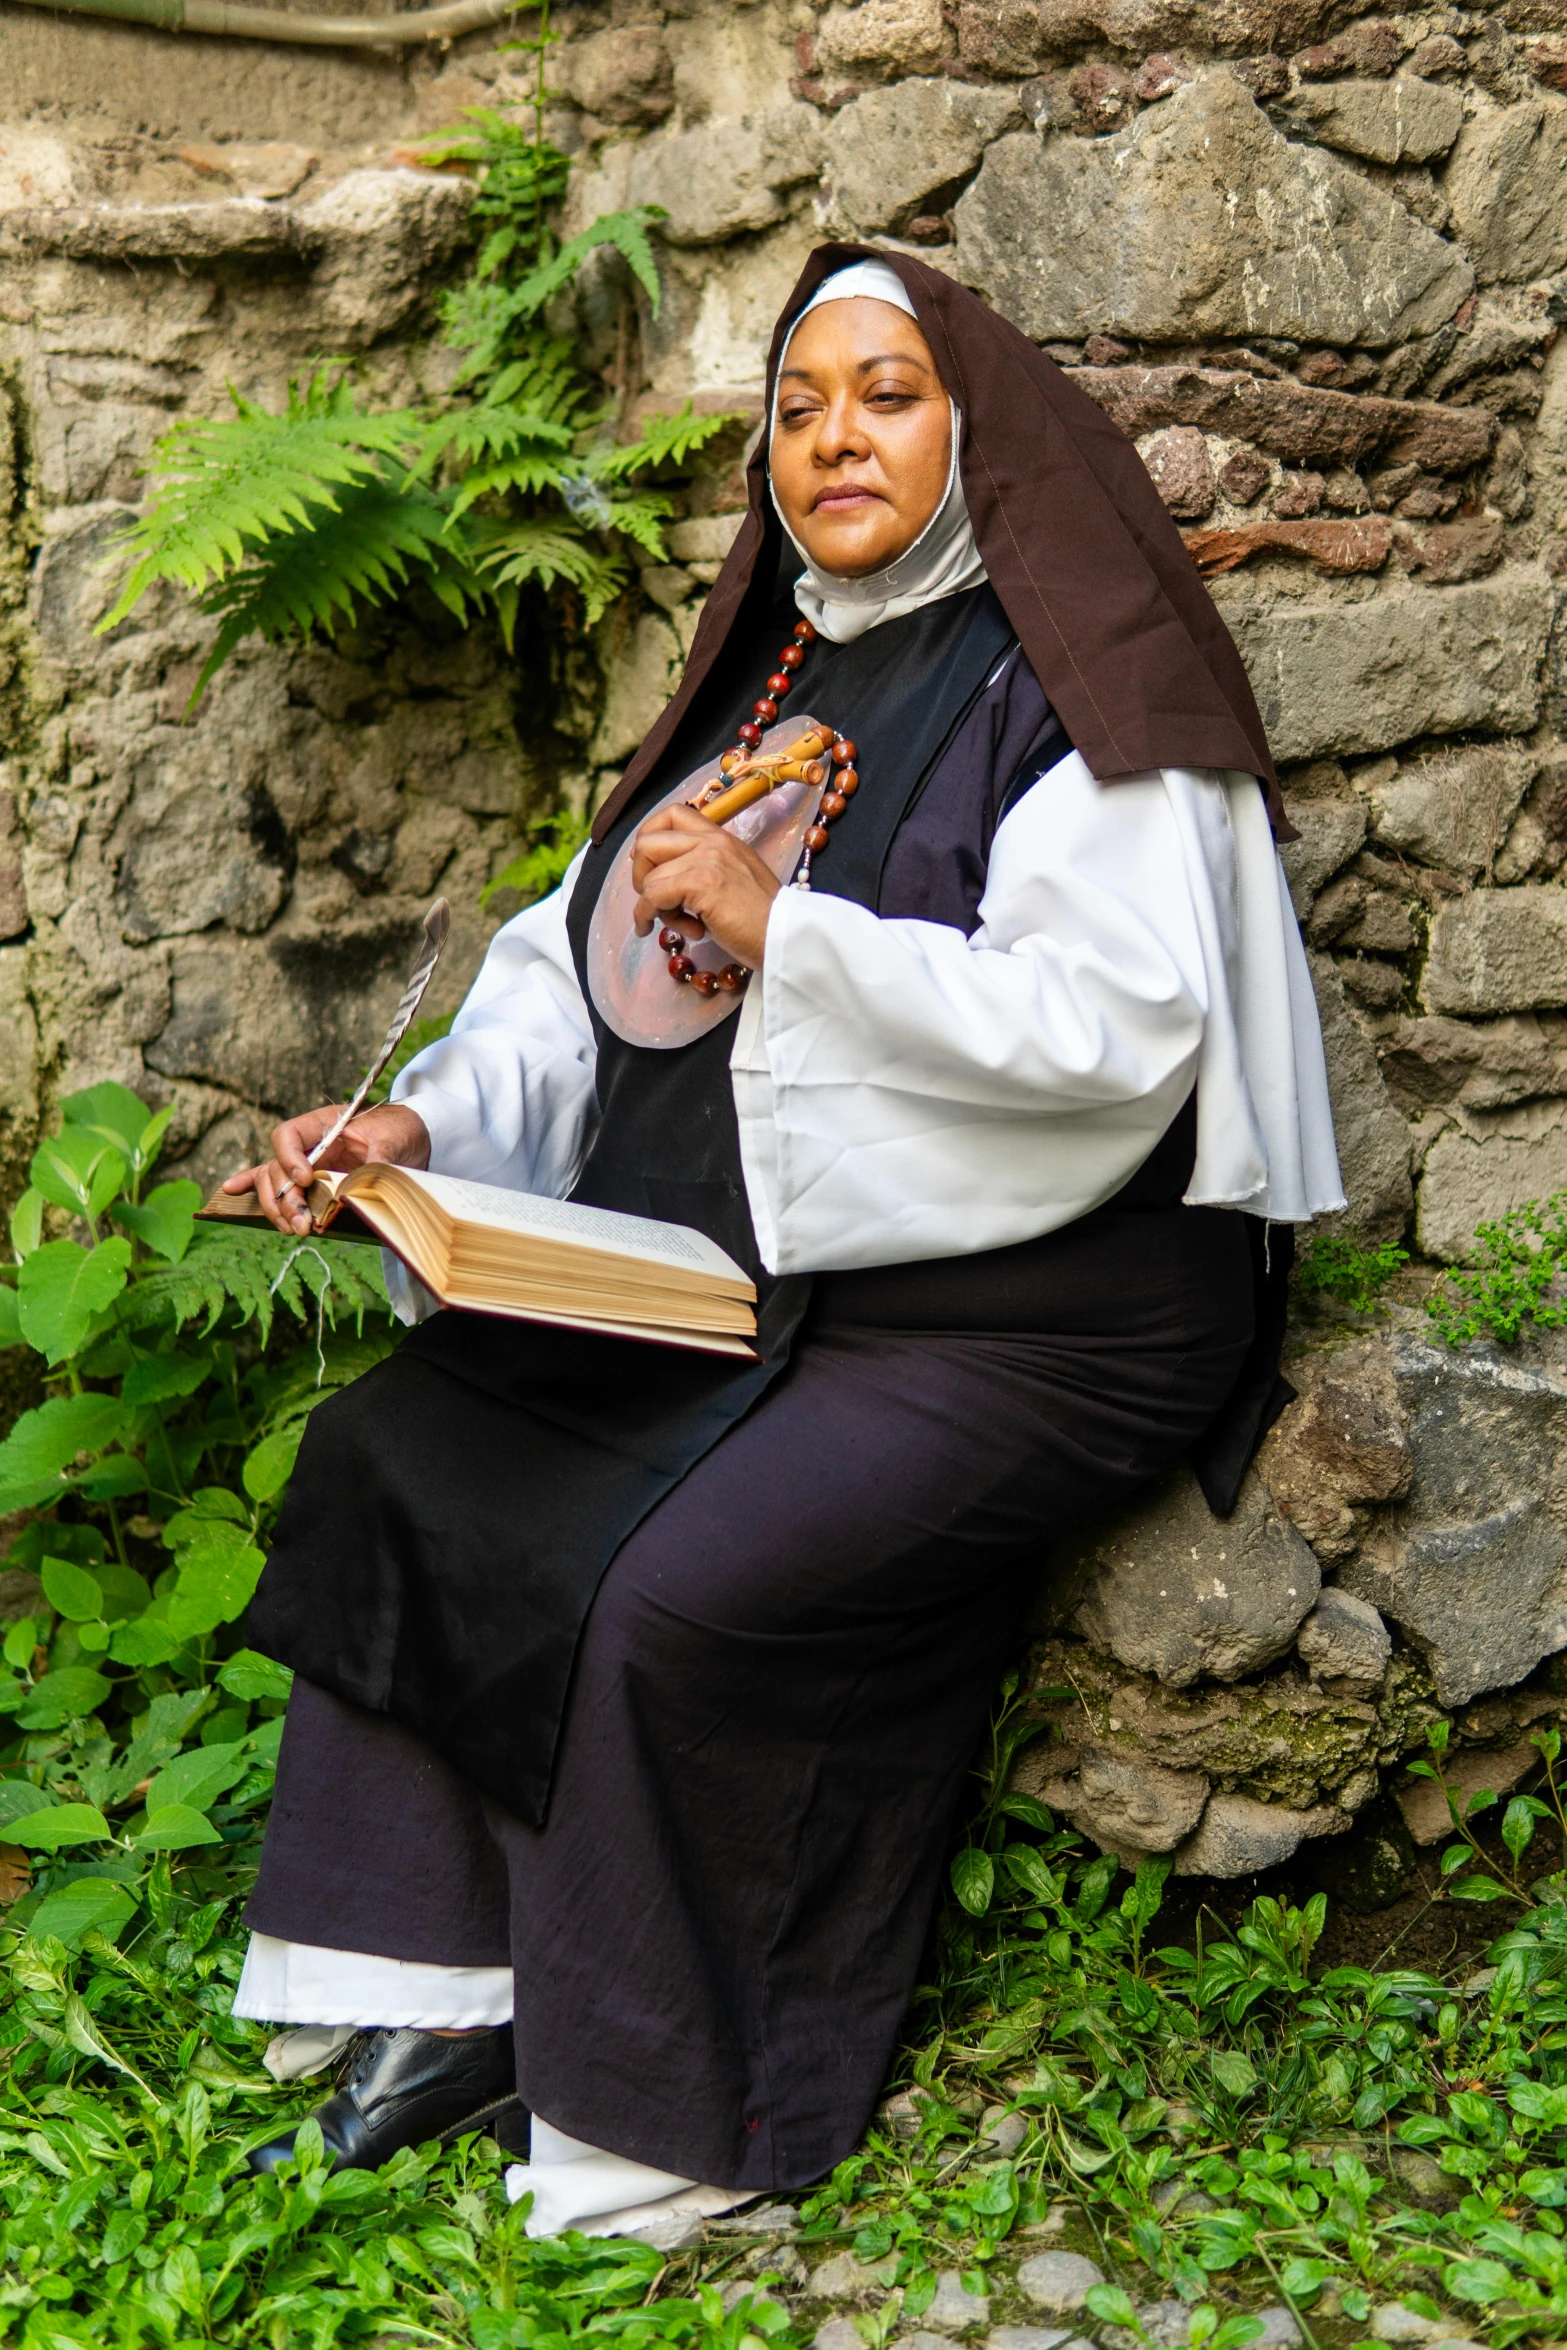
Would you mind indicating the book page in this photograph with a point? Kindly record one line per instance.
(558, 1219)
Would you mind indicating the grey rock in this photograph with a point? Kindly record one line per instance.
(1331, 821)
(622, 76)
(1332, 678)
(235, 228)
(1345, 1639)
(1126, 1804)
(1473, 1568)
(955, 2310)
(1453, 810)
(1392, 2322)
(1239, 1836)
(837, 2333)
(882, 37)
(1167, 2325)
(1002, 2131)
(1480, 1169)
(1058, 2281)
(1507, 186)
(1473, 1064)
(1502, 950)
(1172, 1590)
(843, 2278)
(1467, 1771)
(1030, 2338)
(383, 235)
(1071, 236)
(1404, 120)
(888, 151)
(1280, 2331)
(1373, 1140)
(723, 179)
(921, 2342)
(1340, 1444)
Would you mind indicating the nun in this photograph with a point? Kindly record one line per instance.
(637, 1687)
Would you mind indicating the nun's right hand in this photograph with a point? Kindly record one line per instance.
(392, 1135)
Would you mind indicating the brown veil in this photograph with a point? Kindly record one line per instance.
(1089, 567)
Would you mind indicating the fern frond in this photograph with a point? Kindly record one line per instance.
(324, 574)
(231, 1270)
(626, 231)
(541, 552)
(224, 487)
(666, 440)
(497, 428)
(640, 519)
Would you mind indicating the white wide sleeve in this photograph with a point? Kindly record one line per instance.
(906, 1092)
(508, 1097)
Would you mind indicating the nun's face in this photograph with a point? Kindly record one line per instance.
(862, 446)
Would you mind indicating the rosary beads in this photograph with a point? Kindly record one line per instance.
(841, 790)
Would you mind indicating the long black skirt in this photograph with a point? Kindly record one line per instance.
(778, 1694)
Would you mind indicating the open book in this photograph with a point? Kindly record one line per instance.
(539, 1260)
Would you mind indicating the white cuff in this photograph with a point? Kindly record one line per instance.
(300, 1983)
(575, 2185)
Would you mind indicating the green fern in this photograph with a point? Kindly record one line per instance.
(293, 525)
(381, 532)
(230, 1267)
(542, 866)
(225, 488)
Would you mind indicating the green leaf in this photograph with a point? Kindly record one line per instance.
(79, 1170)
(162, 1378)
(147, 1641)
(1235, 2073)
(250, 1675)
(112, 1109)
(175, 1829)
(46, 1443)
(165, 1219)
(18, 1797)
(1518, 1825)
(20, 1641)
(61, 1824)
(1112, 2307)
(62, 1288)
(27, 1222)
(218, 1573)
(974, 1879)
(268, 1469)
(198, 1778)
(71, 1591)
(1477, 1889)
(1479, 2280)
(88, 1905)
(10, 1318)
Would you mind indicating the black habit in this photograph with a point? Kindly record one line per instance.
(657, 1676)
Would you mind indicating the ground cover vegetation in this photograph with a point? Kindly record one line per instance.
(1188, 2095)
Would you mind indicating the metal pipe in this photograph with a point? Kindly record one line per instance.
(282, 24)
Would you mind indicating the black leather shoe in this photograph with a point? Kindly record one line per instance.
(402, 2086)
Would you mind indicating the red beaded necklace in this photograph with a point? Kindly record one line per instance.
(734, 976)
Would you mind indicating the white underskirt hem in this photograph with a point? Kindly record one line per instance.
(578, 2186)
(302, 1983)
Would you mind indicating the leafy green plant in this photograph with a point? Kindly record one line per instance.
(180, 1362)
(1514, 1285)
(282, 525)
(1344, 1270)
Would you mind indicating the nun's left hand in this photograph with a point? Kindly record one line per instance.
(699, 877)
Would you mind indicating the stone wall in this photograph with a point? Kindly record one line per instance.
(1313, 259)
